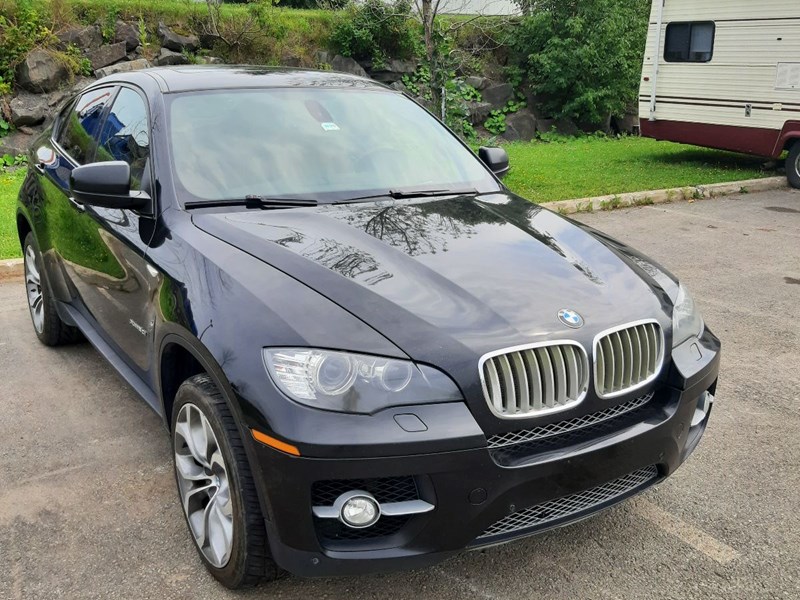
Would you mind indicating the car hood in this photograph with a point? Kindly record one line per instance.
(444, 275)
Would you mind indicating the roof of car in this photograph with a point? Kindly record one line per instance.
(214, 77)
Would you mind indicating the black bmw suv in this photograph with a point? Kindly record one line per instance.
(369, 353)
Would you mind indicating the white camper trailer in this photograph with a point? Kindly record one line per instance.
(724, 74)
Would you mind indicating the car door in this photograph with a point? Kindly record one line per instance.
(67, 236)
(121, 300)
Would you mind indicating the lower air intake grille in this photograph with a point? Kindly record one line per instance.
(385, 489)
(503, 440)
(561, 509)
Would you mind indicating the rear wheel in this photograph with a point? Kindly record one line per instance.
(216, 487)
(49, 327)
(793, 165)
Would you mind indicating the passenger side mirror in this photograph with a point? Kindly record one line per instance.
(496, 159)
(106, 184)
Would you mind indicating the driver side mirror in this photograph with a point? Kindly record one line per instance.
(496, 159)
(106, 184)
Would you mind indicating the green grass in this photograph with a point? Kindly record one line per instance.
(10, 182)
(543, 172)
(590, 166)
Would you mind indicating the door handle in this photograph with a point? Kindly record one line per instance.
(76, 204)
(39, 167)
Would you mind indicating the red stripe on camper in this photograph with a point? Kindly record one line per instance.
(749, 140)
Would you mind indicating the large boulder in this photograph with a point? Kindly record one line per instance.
(107, 55)
(498, 95)
(628, 123)
(125, 32)
(560, 126)
(289, 59)
(393, 71)
(478, 111)
(168, 57)
(17, 142)
(123, 67)
(29, 109)
(520, 125)
(345, 64)
(479, 83)
(176, 42)
(41, 72)
(85, 38)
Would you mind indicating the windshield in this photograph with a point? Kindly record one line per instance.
(326, 144)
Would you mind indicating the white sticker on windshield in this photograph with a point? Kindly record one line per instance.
(330, 126)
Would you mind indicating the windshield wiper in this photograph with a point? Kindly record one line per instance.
(400, 194)
(406, 194)
(253, 201)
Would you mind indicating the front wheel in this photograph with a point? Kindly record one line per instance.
(49, 327)
(216, 487)
(793, 165)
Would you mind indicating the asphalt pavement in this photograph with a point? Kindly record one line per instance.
(89, 509)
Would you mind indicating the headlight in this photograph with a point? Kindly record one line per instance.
(686, 319)
(355, 383)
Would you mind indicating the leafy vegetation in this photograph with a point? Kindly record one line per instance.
(582, 58)
(21, 30)
(376, 31)
(10, 182)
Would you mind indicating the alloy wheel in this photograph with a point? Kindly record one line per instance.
(204, 485)
(33, 286)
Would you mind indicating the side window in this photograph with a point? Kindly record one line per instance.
(77, 133)
(125, 135)
(689, 42)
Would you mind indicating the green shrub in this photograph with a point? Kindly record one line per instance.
(376, 31)
(20, 31)
(75, 61)
(583, 58)
(496, 123)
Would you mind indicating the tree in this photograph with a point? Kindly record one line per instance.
(583, 58)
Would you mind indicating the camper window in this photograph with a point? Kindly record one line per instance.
(689, 42)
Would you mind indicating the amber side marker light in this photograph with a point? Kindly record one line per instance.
(273, 443)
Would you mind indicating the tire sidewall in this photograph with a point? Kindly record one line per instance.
(47, 334)
(793, 165)
(232, 572)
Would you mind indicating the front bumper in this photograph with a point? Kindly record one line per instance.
(472, 493)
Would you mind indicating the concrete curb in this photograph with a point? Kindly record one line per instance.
(689, 194)
(11, 268)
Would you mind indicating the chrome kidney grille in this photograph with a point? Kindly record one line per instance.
(533, 380)
(627, 358)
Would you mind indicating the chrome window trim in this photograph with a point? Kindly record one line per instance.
(543, 411)
(641, 384)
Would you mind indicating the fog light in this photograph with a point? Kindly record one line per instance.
(359, 511)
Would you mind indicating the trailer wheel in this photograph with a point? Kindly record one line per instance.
(793, 165)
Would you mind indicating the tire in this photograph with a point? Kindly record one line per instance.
(219, 496)
(49, 327)
(793, 165)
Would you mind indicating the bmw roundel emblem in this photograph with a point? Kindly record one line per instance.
(570, 318)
